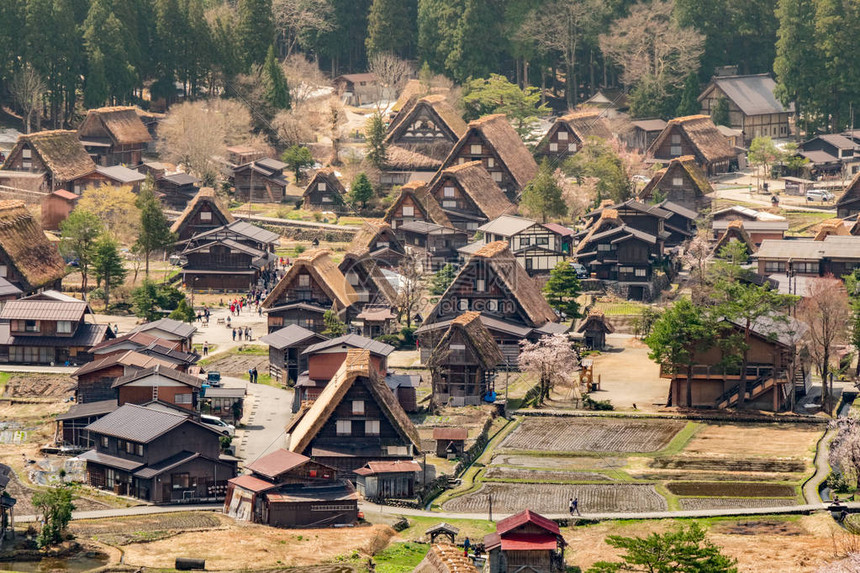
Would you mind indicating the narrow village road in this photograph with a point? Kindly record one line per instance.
(267, 413)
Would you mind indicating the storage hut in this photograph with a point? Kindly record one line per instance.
(595, 327)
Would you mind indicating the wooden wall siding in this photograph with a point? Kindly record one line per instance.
(219, 257)
(96, 389)
(310, 514)
(32, 164)
(497, 170)
(459, 204)
(424, 130)
(306, 319)
(326, 200)
(418, 213)
(144, 394)
(264, 189)
(197, 224)
(676, 145)
(220, 282)
(565, 145)
(767, 124)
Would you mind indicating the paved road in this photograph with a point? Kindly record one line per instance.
(267, 412)
(130, 511)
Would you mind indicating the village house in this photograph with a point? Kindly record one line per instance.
(463, 363)
(570, 132)
(355, 420)
(836, 254)
(735, 232)
(612, 102)
(493, 142)
(285, 489)
(261, 181)
(469, 197)
(176, 190)
(680, 225)
(387, 480)
(326, 357)
(243, 154)
(51, 159)
(830, 154)
(525, 542)
(158, 456)
(286, 352)
(235, 257)
(445, 558)
(311, 286)
(203, 213)
(420, 137)
(148, 345)
(758, 229)
(752, 105)
(48, 328)
(71, 426)
(415, 203)
(95, 379)
(510, 302)
(594, 329)
(848, 203)
(115, 176)
(358, 89)
(28, 261)
(450, 442)
(367, 278)
(434, 246)
(375, 321)
(56, 208)
(325, 192)
(776, 368)
(225, 403)
(376, 240)
(643, 132)
(682, 182)
(170, 329)
(114, 136)
(159, 383)
(694, 135)
(538, 248)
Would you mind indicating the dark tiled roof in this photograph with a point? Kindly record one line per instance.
(110, 461)
(138, 424)
(352, 341)
(276, 463)
(89, 409)
(177, 327)
(159, 370)
(86, 336)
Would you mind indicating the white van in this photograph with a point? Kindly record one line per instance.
(219, 424)
(818, 195)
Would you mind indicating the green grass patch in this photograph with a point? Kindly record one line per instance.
(681, 439)
(400, 557)
(620, 308)
(4, 379)
(800, 222)
(353, 221)
(475, 529)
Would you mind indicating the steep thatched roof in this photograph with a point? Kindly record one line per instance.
(596, 320)
(851, 194)
(356, 366)
(735, 231)
(26, 246)
(587, 123)
(399, 158)
(420, 195)
(478, 184)
(122, 123)
(702, 134)
(328, 175)
(374, 273)
(437, 107)
(831, 227)
(686, 164)
(205, 195)
(476, 335)
(365, 237)
(60, 151)
(324, 272)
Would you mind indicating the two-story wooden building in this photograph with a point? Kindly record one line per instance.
(325, 192)
(172, 330)
(525, 542)
(261, 181)
(114, 136)
(286, 348)
(510, 302)
(158, 456)
(28, 261)
(643, 132)
(52, 159)
(682, 182)
(176, 189)
(95, 379)
(355, 420)
(311, 286)
(492, 141)
(697, 136)
(415, 203)
(538, 248)
(570, 132)
(203, 213)
(159, 383)
(469, 196)
(753, 108)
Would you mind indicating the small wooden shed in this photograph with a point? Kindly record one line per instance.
(595, 328)
(444, 529)
(450, 441)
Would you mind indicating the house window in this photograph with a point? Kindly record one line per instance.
(110, 478)
(641, 272)
(32, 326)
(4, 271)
(448, 192)
(358, 407)
(64, 327)
(449, 204)
(476, 149)
(675, 150)
(677, 181)
(321, 186)
(27, 164)
(371, 427)
(205, 215)
(491, 162)
(773, 266)
(26, 153)
(461, 161)
(344, 427)
(471, 226)
(492, 305)
(480, 285)
(553, 146)
(184, 398)
(105, 441)
(463, 304)
(562, 135)
(352, 278)
(129, 447)
(408, 210)
(525, 242)
(676, 139)
(181, 481)
(497, 176)
(603, 247)
(326, 199)
(627, 270)
(304, 280)
(542, 241)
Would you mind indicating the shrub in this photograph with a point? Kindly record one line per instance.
(838, 483)
(602, 405)
(97, 294)
(408, 337)
(392, 339)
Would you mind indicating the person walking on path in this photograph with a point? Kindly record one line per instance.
(574, 506)
(206, 348)
(234, 335)
(250, 375)
(255, 374)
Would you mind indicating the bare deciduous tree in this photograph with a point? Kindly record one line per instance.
(305, 79)
(336, 122)
(293, 18)
(409, 295)
(650, 43)
(27, 89)
(825, 309)
(698, 255)
(553, 360)
(391, 73)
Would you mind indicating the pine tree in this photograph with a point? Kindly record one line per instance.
(154, 234)
(720, 112)
(690, 97)
(798, 61)
(183, 312)
(107, 265)
(277, 92)
(361, 190)
(79, 233)
(391, 27)
(478, 40)
(375, 141)
(297, 157)
(562, 289)
(256, 30)
(543, 195)
(95, 84)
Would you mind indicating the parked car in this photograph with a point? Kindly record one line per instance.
(219, 424)
(581, 271)
(213, 378)
(818, 195)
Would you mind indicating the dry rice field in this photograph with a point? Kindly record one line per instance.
(734, 502)
(591, 435)
(729, 489)
(509, 474)
(554, 498)
(775, 441)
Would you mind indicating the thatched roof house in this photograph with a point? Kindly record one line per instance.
(415, 203)
(31, 262)
(735, 232)
(570, 132)
(849, 201)
(58, 154)
(428, 126)
(468, 195)
(203, 213)
(325, 191)
(695, 135)
(595, 327)
(832, 227)
(682, 181)
(121, 124)
(468, 329)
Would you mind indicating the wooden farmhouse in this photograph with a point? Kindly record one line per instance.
(176, 190)
(681, 223)
(286, 352)
(848, 203)
(114, 136)
(172, 330)
(311, 286)
(836, 255)
(355, 420)
(525, 542)
(469, 197)
(643, 132)
(538, 248)
(116, 176)
(142, 343)
(510, 302)
(492, 141)
(261, 181)
(358, 89)
(376, 240)
(95, 379)
(285, 489)
(682, 182)
(694, 135)
(420, 137)
(51, 160)
(159, 383)
(366, 277)
(433, 245)
(570, 132)
(235, 257)
(450, 442)
(48, 328)
(771, 379)
(753, 107)
(387, 480)
(830, 154)
(735, 232)
(158, 456)
(325, 192)
(56, 208)
(832, 227)
(415, 203)
(203, 213)
(27, 260)
(758, 230)
(445, 558)
(463, 363)
(72, 425)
